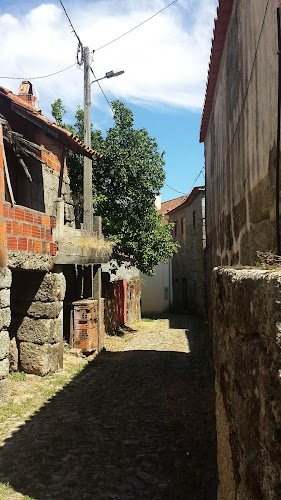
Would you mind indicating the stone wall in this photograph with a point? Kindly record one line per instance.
(36, 330)
(188, 265)
(247, 349)
(240, 144)
(5, 319)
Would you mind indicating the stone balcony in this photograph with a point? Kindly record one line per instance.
(78, 246)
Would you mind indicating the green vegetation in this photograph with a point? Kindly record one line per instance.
(125, 183)
(17, 376)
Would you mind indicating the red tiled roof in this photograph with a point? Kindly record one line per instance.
(69, 140)
(187, 199)
(220, 29)
(167, 206)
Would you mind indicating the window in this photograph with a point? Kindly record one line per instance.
(183, 228)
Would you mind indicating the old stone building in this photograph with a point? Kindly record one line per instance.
(239, 130)
(179, 283)
(188, 265)
(45, 262)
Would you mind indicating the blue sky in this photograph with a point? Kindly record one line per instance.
(165, 63)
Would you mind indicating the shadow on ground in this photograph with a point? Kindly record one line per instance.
(132, 425)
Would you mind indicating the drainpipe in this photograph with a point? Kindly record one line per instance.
(278, 136)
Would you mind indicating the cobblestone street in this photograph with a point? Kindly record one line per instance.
(137, 423)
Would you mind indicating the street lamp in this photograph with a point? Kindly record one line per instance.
(109, 74)
(87, 181)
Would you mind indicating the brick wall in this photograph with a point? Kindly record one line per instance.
(28, 230)
(52, 161)
(21, 228)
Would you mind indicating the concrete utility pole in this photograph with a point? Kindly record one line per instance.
(87, 181)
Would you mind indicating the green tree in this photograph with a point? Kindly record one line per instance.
(58, 111)
(125, 183)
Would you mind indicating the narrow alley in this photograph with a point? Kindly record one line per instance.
(137, 423)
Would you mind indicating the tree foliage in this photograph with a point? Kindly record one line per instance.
(125, 183)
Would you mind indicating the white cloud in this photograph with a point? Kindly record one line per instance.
(165, 60)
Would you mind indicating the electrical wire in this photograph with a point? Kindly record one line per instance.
(197, 177)
(101, 89)
(73, 29)
(124, 34)
(195, 180)
(36, 77)
(79, 54)
(174, 189)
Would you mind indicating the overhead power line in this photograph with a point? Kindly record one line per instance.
(197, 177)
(73, 29)
(138, 25)
(101, 89)
(194, 182)
(37, 77)
(180, 192)
(79, 55)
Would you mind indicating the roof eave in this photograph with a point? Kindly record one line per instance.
(219, 35)
(191, 196)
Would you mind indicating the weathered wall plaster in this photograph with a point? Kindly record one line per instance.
(240, 144)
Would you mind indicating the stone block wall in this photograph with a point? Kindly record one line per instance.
(188, 265)
(246, 306)
(36, 329)
(5, 319)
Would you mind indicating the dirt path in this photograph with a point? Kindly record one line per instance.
(136, 423)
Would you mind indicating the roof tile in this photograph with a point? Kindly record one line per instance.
(71, 141)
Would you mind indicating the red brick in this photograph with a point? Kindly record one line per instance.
(37, 219)
(12, 243)
(49, 236)
(26, 230)
(9, 227)
(46, 220)
(2, 183)
(42, 231)
(30, 245)
(2, 233)
(28, 216)
(19, 213)
(1, 206)
(37, 246)
(53, 248)
(17, 228)
(8, 212)
(22, 244)
(2, 256)
(35, 232)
